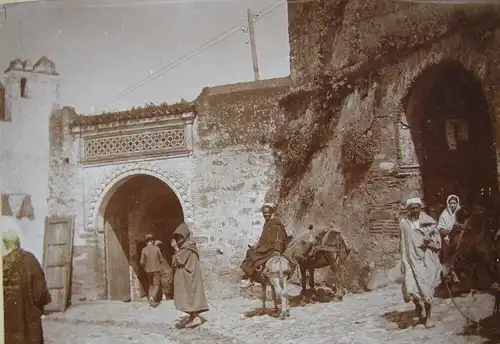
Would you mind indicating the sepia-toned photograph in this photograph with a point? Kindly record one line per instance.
(250, 171)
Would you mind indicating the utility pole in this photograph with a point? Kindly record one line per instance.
(252, 45)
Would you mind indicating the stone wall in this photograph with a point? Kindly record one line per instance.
(66, 198)
(234, 169)
(221, 184)
(370, 54)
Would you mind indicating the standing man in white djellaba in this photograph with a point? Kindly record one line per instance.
(420, 265)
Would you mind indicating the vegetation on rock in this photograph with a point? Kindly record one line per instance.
(149, 110)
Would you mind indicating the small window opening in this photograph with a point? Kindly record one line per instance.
(24, 81)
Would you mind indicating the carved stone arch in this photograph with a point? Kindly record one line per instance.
(101, 192)
(426, 67)
(412, 69)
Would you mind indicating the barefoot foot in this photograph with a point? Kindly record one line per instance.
(429, 323)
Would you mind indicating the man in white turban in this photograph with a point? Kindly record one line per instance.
(420, 265)
(25, 288)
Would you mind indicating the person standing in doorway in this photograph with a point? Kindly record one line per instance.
(189, 292)
(24, 289)
(446, 224)
(166, 276)
(151, 262)
(420, 244)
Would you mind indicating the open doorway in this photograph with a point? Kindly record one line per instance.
(142, 204)
(453, 137)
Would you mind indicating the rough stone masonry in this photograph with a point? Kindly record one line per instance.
(347, 153)
(334, 142)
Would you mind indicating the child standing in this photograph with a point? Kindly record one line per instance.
(189, 293)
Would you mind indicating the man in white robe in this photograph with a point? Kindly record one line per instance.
(420, 265)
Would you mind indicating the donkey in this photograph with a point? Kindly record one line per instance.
(275, 274)
(328, 248)
(475, 249)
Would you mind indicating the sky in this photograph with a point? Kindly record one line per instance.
(103, 47)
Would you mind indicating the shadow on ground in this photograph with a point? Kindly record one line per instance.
(455, 290)
(260, 311)
(183, 322)
(322, 295)
(489, 328)
(403, 319)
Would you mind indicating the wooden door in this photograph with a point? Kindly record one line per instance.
(57, 260)
(117, 261)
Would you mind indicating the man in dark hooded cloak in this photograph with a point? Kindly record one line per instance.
(189, 292)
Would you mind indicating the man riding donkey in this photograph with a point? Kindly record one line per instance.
(272, 242)
(420, 265)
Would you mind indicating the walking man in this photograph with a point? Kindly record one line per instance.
(166, 276)
(151, 261)
(420, 244)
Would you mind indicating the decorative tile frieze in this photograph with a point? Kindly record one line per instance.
(145, 142)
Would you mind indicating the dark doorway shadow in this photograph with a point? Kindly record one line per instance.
(451, 129)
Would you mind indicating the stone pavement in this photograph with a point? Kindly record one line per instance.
(366, 318)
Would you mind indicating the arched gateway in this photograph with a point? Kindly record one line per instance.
(134, 206)
(451, 130)
(136, 169)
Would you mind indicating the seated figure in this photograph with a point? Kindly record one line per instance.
(273, 241)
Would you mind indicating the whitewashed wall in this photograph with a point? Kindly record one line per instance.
(25, 149)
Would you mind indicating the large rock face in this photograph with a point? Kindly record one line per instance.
(346, 154)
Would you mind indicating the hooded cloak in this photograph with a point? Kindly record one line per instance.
(448, 218)
(189, 292)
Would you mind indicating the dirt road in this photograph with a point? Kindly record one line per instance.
(374, 317)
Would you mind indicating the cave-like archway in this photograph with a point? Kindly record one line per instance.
(453, 137)
(142, 204)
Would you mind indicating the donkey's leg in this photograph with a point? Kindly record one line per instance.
(284, 298)
(273, 284)
(311, 284)
(337, 276)
(303, 280)
(496, 309)
(263, 290)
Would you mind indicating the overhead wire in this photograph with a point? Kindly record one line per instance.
(186, 57)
